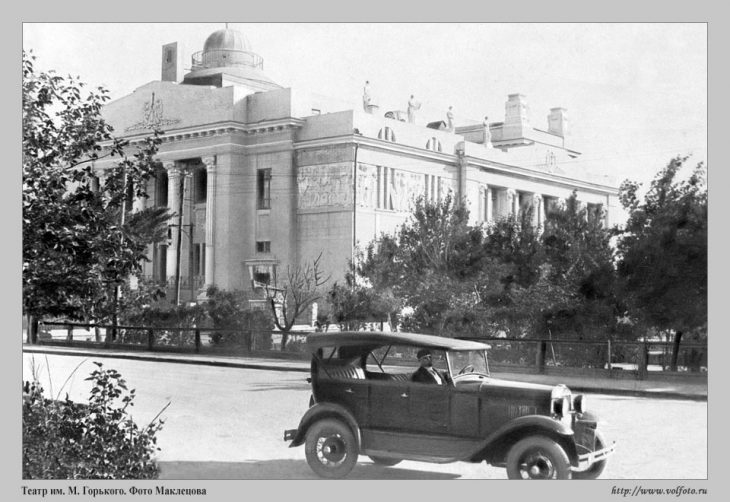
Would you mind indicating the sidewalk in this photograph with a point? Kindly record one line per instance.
(677, 389)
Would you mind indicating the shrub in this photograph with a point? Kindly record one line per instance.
(99, 440)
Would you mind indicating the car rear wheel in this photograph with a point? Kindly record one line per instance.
(331, 449)
(388, 462)
(537, 457)
(595, 469)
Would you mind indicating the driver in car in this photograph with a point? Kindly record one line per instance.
(426, 373)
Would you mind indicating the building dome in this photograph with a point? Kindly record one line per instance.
(226, 39)
(227, 57)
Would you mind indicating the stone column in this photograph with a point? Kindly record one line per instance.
(210, 165)
(537, 210)
(514, 201)
(173, 204)
(490, 203)
(138, 204)
(480, 206)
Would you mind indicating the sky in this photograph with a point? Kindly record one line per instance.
(635, 93)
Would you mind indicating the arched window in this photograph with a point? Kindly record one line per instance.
(433, 144)
(387, 134)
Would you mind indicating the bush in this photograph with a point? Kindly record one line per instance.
(98, 440)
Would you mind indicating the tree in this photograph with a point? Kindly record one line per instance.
(75, 249)
(301, 289)
(435, 264)
(663, 249)
(353, 304)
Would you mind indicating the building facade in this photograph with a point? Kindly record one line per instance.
(267, 177)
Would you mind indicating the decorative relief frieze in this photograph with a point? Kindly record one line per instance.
(404, 188)
(325, 186)
(367, 185)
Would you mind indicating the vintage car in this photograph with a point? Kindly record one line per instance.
(365, 401)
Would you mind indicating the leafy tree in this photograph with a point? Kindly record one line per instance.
(75, 248)
(514, 240)
(663, 249)
(301, 289)
(353, 304)
(434, 264)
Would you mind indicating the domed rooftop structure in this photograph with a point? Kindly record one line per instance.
(227, 39)
(227, 58)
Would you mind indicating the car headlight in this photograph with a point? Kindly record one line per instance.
(561, 400)
(579, 403)
(561, 406)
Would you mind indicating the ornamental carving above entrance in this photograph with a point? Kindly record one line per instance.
(152, 116)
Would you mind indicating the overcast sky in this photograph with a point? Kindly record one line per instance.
(636, 94)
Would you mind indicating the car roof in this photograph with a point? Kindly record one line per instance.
(377, 338)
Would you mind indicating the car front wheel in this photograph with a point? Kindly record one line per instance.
(537, 457)
(331, 449)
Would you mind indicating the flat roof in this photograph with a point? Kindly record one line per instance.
(354, 338)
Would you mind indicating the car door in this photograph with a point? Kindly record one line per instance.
(429, 408)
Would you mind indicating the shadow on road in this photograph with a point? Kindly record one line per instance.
(254, 387)
(282, 469)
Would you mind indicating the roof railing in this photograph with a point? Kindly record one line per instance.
(220, 58)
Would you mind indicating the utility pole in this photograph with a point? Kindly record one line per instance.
(117, 289)
(179, 237)
(191, 255)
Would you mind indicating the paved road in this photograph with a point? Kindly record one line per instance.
(227, 423)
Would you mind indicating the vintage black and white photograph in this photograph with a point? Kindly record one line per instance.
(365, 251)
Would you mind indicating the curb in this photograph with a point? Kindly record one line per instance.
(305, 369)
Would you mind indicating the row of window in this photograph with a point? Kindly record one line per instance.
(387, 134)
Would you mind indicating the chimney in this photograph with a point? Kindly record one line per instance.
(172, 62)
(516, 118)
(558, 122)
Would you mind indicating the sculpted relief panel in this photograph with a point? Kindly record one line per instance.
(367, 185)
(378, 187)
(404, 187)
(325, 186)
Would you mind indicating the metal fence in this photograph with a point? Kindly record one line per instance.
(637, 359)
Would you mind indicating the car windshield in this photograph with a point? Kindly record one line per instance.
(468, 361)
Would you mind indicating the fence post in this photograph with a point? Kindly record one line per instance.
(69, 333)
(197, 340)
(150, 338)
(643, 360)
(541, 350)
(608, 355)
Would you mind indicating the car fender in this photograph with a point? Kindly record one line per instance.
(325, 410)
(495, 446)
(587, 416)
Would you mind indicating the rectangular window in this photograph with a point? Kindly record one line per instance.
(200, 185)
(199, 259)
(262, 274)
(263, 183)
(160, 264)
(263, 246)
(161, 188)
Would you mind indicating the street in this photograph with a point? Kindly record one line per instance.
(228, 423)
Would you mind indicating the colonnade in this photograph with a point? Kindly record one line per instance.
(175, 171)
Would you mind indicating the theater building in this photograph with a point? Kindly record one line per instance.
(267, 177)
